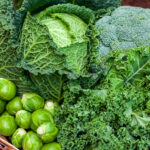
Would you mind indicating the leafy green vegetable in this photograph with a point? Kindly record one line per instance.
(50, 86)
(31, 141)
(64, 50)
(8, 69)
(7, 125)
(98, 4)
(111, 114)
(14, 105)
(32, 102)
(23, 119)
(17, 137)
(35, 5)
(148, 106)
(131, 66)
(118, 33)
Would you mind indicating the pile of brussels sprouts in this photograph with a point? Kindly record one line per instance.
(27, 120)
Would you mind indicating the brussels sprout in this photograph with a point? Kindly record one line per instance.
(47, 132)
(23, 119)
(39, 117)
(31, 141)
(18, 137)
(7, 125)
(51, 107)
(14, 106)
(2, 106)
(7, 89)
(32, 102)
(5, 113)
(51, 146)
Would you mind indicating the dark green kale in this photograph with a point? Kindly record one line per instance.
(112, 114)
(50, 86)
(8, 48)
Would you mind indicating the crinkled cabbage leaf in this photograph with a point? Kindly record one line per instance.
(50, 86)
(57, 39)
(8, 52)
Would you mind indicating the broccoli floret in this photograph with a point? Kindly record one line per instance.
(127, 27)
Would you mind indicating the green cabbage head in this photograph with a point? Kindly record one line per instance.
(57, 39)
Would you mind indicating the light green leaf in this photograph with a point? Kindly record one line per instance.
(57, 40)
(77, 27)
(38, 49)
(140, 120)
(76, 57)
(58, 31)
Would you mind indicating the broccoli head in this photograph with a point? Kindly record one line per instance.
(127, 27)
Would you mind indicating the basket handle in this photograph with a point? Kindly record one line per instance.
(7, 146)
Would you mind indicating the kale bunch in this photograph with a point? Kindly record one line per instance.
(111, 115)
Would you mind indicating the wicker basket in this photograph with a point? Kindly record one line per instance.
(5, 145)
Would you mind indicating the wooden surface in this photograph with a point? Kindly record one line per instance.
(5, 145)
(138, 3)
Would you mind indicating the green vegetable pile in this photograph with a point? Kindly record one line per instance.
(89, 62)
(27, 120)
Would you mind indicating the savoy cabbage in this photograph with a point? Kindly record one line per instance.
(58, 39)
(98, 4)
(34, 5)
(8, 46)
(127, 27)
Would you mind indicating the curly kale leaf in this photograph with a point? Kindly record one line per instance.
(8, 52)
(126, 28)
(110, 115)
(88, 119)
(74, 115)
(131, 66)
